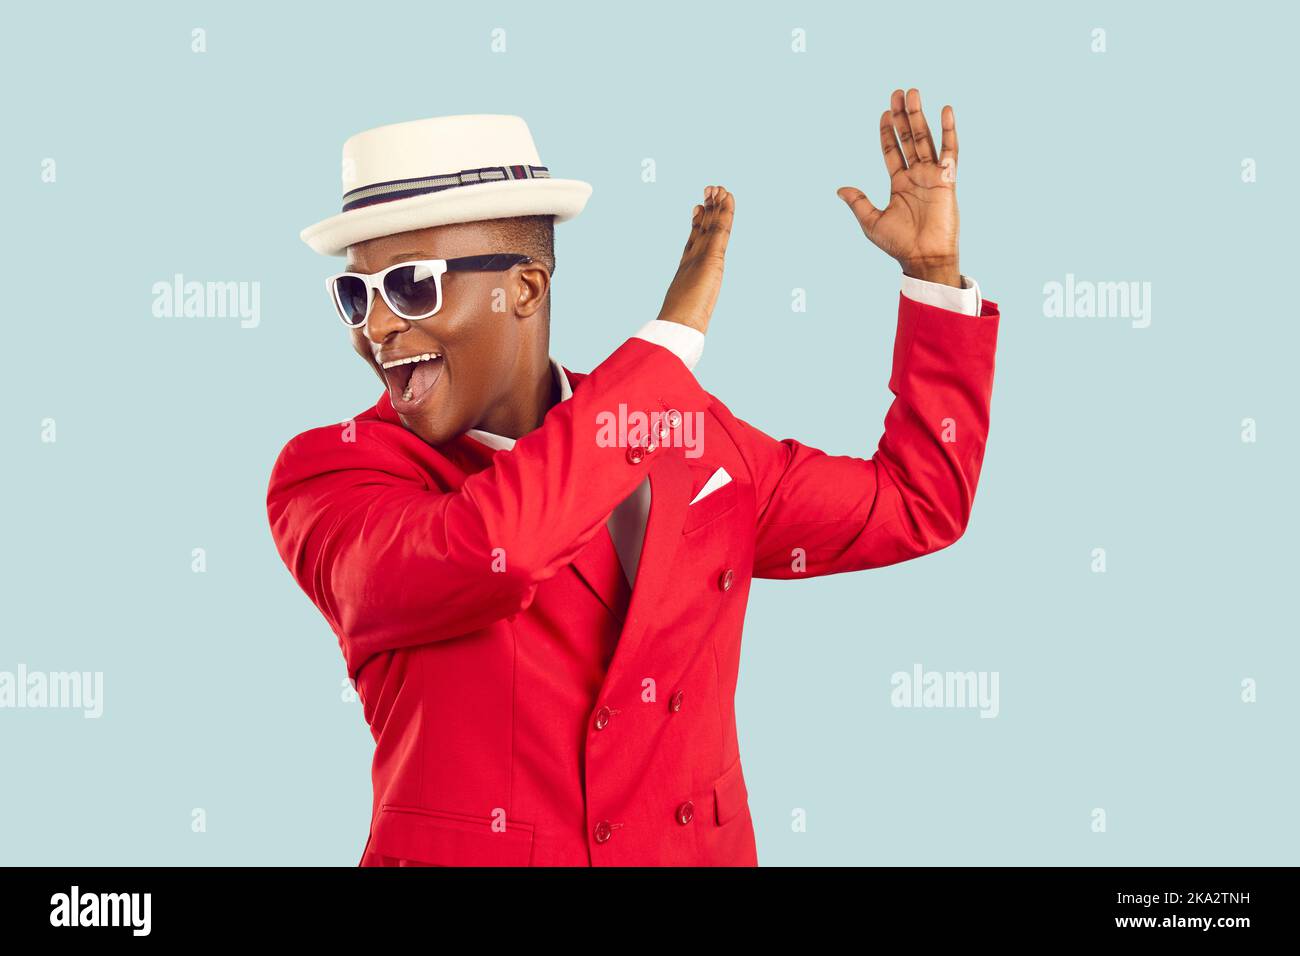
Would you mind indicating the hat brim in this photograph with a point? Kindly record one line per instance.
(562, 198)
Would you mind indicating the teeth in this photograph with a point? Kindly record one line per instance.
(414, 358)
(406, 395)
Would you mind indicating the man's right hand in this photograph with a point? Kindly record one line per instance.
(694, 290)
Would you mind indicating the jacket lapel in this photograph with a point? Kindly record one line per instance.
(670, 485)
(598, 565)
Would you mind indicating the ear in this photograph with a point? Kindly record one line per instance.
(534, 286)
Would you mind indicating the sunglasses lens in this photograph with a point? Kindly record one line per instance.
(413, 290)
(351, 295)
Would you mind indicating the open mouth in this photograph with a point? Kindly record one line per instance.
(411, 378)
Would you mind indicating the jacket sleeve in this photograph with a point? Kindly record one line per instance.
(392, 563)
(824, 514)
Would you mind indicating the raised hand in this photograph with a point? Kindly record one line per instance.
(919, 225)
(694, 289)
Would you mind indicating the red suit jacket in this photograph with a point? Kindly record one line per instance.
(526, 708)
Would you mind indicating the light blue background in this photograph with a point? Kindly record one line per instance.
(1118, 690)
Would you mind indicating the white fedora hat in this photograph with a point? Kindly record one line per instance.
(441, 170)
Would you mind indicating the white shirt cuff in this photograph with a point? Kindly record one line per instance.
(967, 299)
(682, 340)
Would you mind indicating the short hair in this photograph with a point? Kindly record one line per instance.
(531, 235)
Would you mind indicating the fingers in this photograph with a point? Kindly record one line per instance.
(925, 150)
(949, 136)
(697, 216)
(716, 228)
(889, 145)
(902, 128)
(711, 223)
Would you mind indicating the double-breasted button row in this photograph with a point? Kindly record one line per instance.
(684, 814)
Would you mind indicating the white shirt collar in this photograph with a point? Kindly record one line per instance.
(493, 440)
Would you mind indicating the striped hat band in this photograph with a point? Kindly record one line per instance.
(406, 188)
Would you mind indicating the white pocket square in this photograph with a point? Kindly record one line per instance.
(716, 481)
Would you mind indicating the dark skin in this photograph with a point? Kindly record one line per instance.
(496, 370)
(919, 225)
(495, 362)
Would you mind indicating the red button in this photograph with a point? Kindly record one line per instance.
(602, 718)
(674, 418)
(686, 813)
(676, 703)
(724, 580)
(603, 831)
(635, 454)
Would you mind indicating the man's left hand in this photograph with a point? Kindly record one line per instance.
(919, 226)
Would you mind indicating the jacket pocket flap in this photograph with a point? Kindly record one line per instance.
(729, 794)
(709, 507)
(449, 839)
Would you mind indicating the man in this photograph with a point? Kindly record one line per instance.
(538, 578)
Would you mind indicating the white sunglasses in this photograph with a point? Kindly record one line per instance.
(412, 290)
